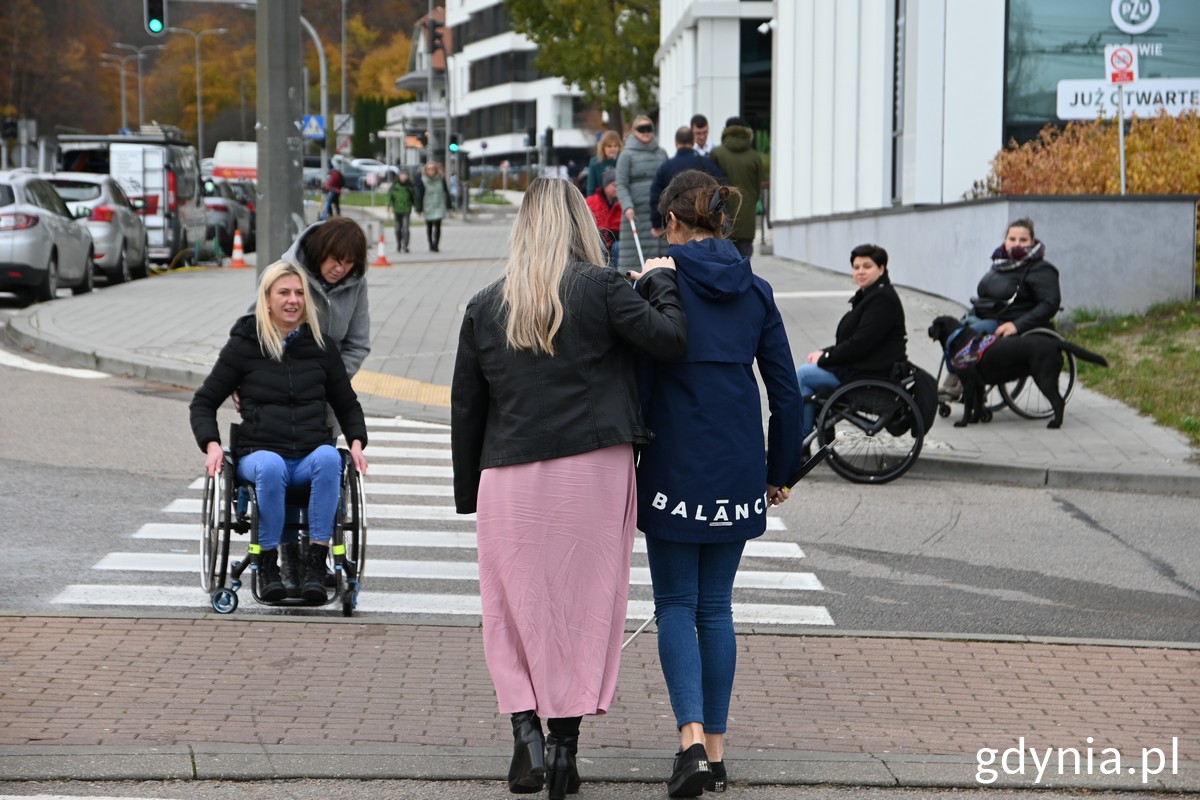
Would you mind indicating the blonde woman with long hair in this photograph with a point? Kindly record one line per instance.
(545, 416)
(285, 372)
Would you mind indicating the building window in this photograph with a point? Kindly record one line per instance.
(1054, 57)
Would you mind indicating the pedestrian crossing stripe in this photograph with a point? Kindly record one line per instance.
(390, 537)
(406, 603)
(444, 570)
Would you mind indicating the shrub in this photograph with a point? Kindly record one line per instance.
(1162, 156)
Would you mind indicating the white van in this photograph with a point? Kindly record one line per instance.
(236, 161)
(158, 170)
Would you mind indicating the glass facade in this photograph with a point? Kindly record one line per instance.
(1054, 68)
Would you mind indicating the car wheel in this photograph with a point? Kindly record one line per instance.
(143, 269)
(89, 276)
(119, 273)
(47, 290)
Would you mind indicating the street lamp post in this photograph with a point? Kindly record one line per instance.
(199, 87)
(343, 57)
(141, 54)
(118, 62)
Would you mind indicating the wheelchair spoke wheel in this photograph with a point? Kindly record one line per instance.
(1026, 399)
(356, 522)
(209, 535)
(876, 428)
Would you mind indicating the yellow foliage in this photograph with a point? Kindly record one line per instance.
(1162, 156)
(381, 67)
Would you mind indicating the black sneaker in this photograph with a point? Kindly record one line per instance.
(690, 772)
(717, 782)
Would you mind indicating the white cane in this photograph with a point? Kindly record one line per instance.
(638, 242)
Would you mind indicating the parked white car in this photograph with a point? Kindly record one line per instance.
(376, 170)
(118, 232)
(42, 247)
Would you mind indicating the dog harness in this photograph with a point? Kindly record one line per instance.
(969, 356)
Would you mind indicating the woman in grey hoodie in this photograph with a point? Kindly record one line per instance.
(636, 168)
(334, 254)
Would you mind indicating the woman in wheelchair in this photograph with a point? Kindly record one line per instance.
(870, 338)
(285, 373)
(1020, 292)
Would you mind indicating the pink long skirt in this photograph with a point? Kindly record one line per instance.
(555, 539)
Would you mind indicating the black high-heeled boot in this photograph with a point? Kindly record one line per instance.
(528, 768)
(562, 745)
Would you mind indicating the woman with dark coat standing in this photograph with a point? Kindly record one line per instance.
(706, 481)
(870, 340)
(636, 167)
(285, 372)
(544, 416)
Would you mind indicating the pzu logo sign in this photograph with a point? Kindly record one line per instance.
(1135, 16)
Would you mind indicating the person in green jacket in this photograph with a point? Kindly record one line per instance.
(401, 199)
(743, 165)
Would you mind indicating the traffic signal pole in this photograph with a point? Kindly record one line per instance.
(280, 147)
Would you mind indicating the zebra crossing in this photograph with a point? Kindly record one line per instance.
(420, 553)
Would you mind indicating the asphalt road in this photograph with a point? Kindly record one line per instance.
(84, 463)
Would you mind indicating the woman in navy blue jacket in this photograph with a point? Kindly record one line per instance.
(705, 483)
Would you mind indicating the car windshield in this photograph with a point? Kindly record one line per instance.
(6, 195)
(76, 190)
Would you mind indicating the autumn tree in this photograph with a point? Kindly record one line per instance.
(598, 46)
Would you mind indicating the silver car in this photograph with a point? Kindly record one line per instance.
(116, 226)
(42, 247)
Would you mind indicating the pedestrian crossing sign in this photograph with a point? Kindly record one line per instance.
(314, 127)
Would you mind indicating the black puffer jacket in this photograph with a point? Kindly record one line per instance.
(282, 402)
(1037, 295)
(516, 406)
(871, 337)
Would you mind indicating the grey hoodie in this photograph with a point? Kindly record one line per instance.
(342, 311)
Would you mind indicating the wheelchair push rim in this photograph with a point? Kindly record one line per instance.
(881, 431)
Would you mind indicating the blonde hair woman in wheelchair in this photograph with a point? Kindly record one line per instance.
(285, 372)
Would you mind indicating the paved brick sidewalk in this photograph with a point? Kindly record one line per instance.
(344, 685)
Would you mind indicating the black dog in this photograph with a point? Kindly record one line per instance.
(1008, 359)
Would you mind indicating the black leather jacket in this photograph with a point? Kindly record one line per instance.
(515, 406)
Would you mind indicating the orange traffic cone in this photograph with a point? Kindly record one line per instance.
(381, 259)
(238, 261)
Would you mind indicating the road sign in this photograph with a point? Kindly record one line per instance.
(314, 127)
(1120, 63)
(343, 124)
(504, 165)
(343, 144)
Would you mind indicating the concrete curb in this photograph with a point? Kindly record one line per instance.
(247, 762)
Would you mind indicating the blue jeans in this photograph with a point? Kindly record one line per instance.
(693, 604)
(272, 474)
(811, 378)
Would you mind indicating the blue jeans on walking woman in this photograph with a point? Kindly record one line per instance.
(693, 604)
(272, 474)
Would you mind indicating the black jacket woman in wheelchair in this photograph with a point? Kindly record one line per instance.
(870, 339)
(285, 373)
(1021, 290)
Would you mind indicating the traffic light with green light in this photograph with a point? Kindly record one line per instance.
(455, 141)
(156, 17)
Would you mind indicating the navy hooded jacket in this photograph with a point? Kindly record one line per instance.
(704, 477)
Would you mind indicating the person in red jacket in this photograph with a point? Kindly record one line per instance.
(606, 208)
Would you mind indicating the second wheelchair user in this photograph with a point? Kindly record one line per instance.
(1021, 290)
(285, 372)
(870, 338)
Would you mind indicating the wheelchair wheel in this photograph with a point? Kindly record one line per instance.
(1023, 395)
(214, 533)
(876, 428)
(354, 524)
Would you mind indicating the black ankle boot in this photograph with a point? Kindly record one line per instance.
(690, 772)
(527, 772)
(313, 587)
(289, 567)
(562, 774)
(270, 587)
